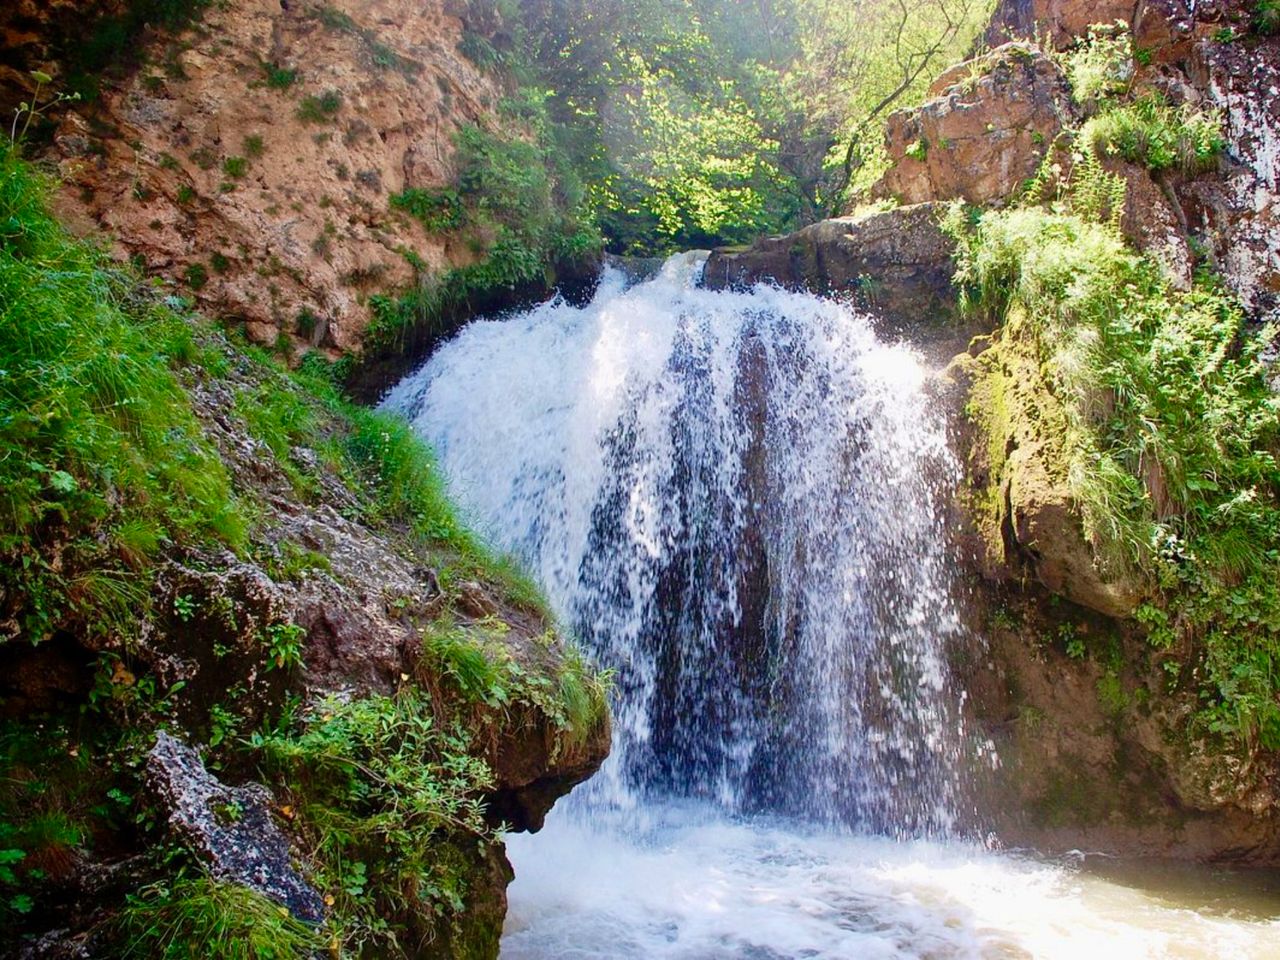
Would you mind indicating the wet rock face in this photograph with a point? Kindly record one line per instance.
(896, 264)
(1010, 429)
(229, 828)
(984, 134)
(253, 156)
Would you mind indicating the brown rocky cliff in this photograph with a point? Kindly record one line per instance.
(267, 197)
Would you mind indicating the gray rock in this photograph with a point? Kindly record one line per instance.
(229, 828)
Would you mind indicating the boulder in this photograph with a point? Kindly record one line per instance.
(896, 264)
(984, 135)
(229, 828)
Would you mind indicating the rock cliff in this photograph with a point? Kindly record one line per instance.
(250, 153)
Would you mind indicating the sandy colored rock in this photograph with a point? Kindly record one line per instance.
(270, 204)
(984, 135)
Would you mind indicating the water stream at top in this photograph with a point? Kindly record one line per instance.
(737, 502)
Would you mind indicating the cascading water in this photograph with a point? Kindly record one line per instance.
(734, 501)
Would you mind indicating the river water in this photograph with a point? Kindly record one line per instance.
(737, 502)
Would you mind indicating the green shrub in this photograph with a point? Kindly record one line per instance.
(208, 918)
(277, 77)
(235, 167)
(437, 210)
(253, 146)
(95, 432)
(378, 785)
(1157, 135)
(196, 276)
(321, 109)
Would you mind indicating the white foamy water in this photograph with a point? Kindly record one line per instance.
(697, 886)
(736, 501)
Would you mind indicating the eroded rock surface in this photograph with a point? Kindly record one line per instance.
(896, 264)
(985, 133)
(252, 155)
(229, 828)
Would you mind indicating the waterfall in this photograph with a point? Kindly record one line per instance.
(732, 499)
(736, 502)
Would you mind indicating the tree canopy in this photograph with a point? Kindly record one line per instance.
(699, 122)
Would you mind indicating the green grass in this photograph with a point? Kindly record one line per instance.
(1154, 134)
(201, 917)
(477, 661)
(101, 458)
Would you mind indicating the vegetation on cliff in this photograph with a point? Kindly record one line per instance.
(152, 473)
(1172, 429)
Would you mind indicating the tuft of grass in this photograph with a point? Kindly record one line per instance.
(1153, 133)
(477, 661)
(235, 167)
(321, 109)
(96, 433)
(202, 917)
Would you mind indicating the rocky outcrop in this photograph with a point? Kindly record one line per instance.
(1011, 437)
(984, 134)
(1207, 54)
(230, 829)
(896, 264)
(252, 156)
(1081, 716)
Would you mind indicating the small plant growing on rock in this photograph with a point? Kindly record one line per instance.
(196, 276)
(253, 146)
(284, 646)
(277, 77)
(235, 167)
(1101, 66)
(321, 109)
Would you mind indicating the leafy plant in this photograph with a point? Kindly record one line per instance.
(1101, 65)
(381, 789)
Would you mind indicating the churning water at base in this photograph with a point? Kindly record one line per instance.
(733, 500)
